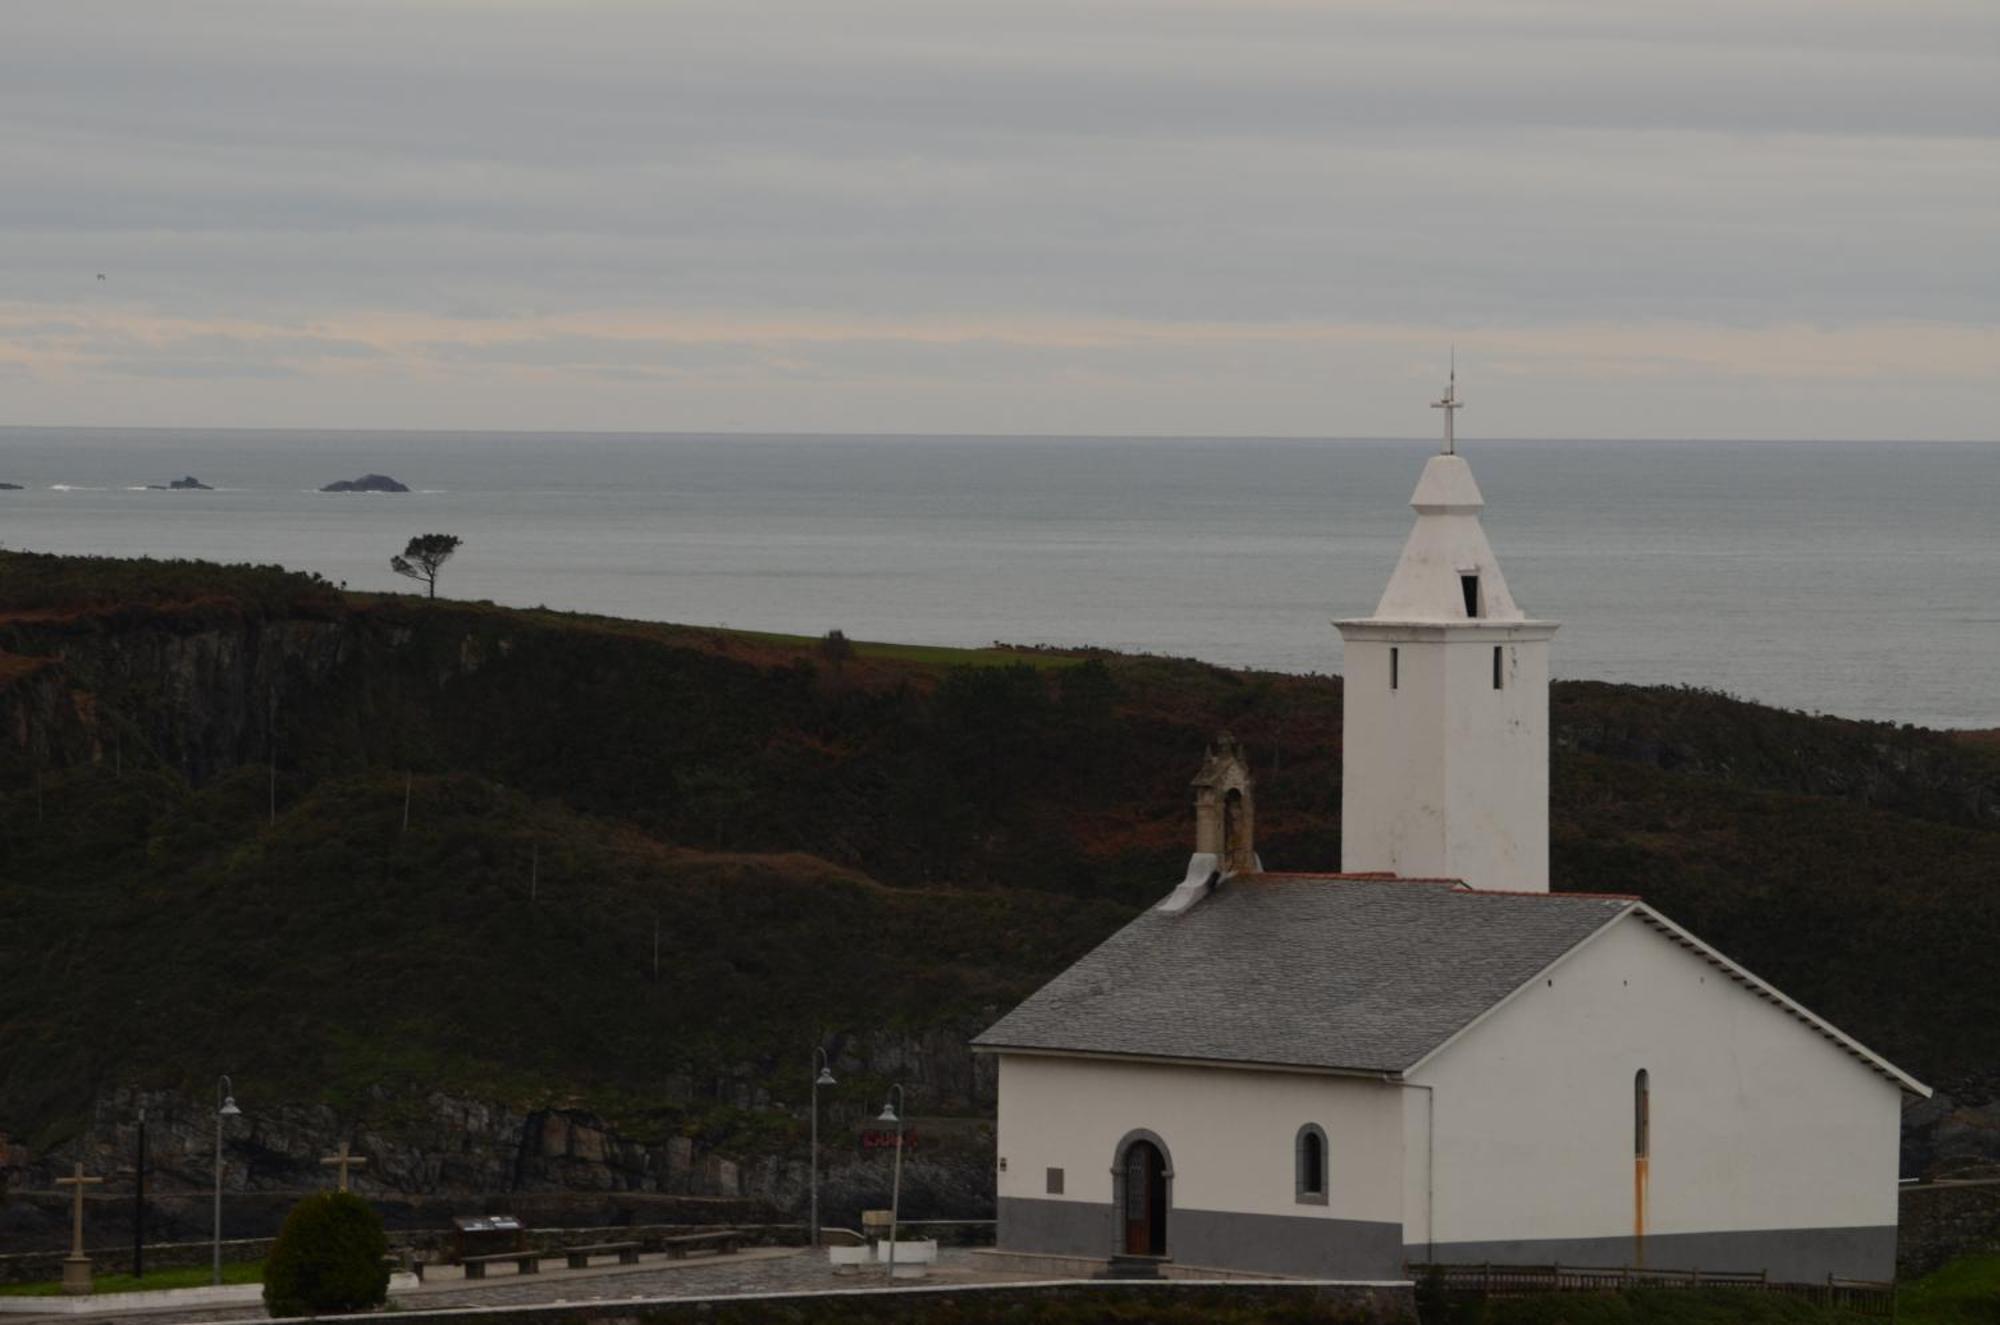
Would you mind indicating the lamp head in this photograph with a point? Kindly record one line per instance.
(229, 1109)
(888, 1114)
(825, 1077)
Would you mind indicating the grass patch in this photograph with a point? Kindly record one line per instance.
(936, 655)
(1648, 1306)
(1965, 1292)
(186, 1276)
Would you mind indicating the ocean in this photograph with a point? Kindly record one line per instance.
(1860, 579)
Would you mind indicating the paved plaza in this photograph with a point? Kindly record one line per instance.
(757, 1271)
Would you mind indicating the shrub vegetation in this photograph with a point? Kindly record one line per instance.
(328, 1259)
(900, 849)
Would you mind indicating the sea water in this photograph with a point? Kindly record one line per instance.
(1861, 579)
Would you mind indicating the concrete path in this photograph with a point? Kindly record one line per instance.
(753, 1272)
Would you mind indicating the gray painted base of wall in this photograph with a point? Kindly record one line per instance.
(1786, 1255)
(1357, 1249)
(1317, 1248)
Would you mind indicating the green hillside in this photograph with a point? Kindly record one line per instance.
(203, 857)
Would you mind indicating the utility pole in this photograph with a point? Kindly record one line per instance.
(271, 748)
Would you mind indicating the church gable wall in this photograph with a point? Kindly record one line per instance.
(1230, 1138)
(1768, 1147)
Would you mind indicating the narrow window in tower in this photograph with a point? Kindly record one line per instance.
(1470, 585)
(1395, 667)
(1498, 674)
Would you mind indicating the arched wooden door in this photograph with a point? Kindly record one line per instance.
(1145, 1200)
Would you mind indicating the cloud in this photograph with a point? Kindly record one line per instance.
(542, 364)
(1712, 194)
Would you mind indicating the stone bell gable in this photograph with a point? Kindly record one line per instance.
(1225, 824)
(1225, 819)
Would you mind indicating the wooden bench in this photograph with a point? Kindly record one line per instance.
(723, 1241)
(579, 1257)
(526, 1262)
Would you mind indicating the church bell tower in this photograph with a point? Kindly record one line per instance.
(1445, 765)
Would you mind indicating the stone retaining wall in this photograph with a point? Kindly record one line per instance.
(1942, 1221)
(27, 1267)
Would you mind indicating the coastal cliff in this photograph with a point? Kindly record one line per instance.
(535, 903)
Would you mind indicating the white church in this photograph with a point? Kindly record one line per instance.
(1429, 1056)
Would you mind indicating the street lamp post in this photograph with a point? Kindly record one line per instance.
(139, 1203)
(891, 1113)
(822, 1076)
(225, 1108)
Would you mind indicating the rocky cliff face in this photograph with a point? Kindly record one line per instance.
(448, 1154)
(201, 697)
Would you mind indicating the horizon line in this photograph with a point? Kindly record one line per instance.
(902, 435)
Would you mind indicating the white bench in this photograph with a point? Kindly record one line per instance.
(849, 1260)
(909, 1253)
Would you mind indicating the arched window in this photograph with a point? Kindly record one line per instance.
(1309, 1165)
(1642, 1115)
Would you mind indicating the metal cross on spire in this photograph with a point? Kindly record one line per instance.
(1451, 404)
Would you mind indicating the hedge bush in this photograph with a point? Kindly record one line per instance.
(328, 1258)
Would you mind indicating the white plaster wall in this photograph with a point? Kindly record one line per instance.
(1444, 776)
(1417, 1166)
(1757, 1121)
(1425, 584)
(1497, 764)
(1392, 800)
(1228, 1132)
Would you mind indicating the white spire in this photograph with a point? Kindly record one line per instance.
(1451, 404)
(1445, 746)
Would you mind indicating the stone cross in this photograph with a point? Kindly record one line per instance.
(76, 1266)
(343, 1160)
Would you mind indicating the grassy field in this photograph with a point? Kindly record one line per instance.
(1965, 1292)
(186, 1276)
(930, 655)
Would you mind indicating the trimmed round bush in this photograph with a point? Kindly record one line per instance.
(327, 1259)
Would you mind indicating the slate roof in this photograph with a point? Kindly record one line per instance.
(1324, 971)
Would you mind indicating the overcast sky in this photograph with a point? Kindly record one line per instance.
(1718, 218)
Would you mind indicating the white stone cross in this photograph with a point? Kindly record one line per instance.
(79, 1182)
(76, 1256)
(343, 1160)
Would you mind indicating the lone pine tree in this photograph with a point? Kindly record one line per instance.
(425, 557)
